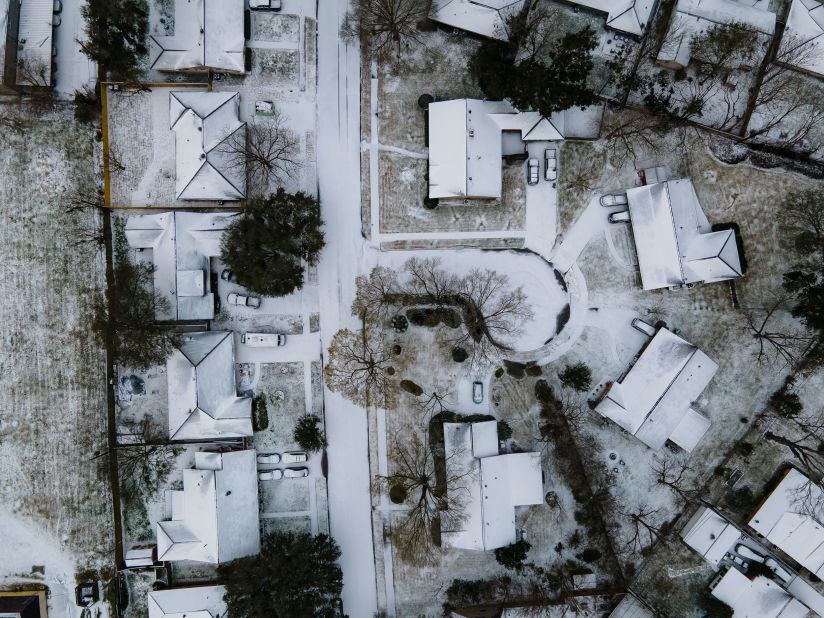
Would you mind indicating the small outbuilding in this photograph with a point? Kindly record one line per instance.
(195, 602)
(627, 16)
(487, 18)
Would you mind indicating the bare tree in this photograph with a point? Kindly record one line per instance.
(376, 296)
(785, 345)
(385, 24)
(432, 404)
(268, 150)
(114, 159)
(359, 368)
(675, 473)
(144, 466)
(82, 198)
(433, 503)
(429, 283)
(643, 529)
(34, 72)
(535, 32)
(634, 135)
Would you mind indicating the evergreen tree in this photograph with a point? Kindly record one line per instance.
(308, 434)
(577, 377)
(116, 32)
(265, 244)
(295, 575)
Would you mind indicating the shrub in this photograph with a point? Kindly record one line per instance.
(590, 555)
(713, 608)
(499, 372)
(543, 392)
(459, 355)
(398, 493)
(741, 500)
(787, 404)
(513, 556)
(410, 387)
(504, 430)
(577, 377)
(534, 371)
(260, 414)
(308, 434)
(575, 539)
(516, 370)
(400, 323)
(744, 449)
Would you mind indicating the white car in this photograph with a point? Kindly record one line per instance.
(532, 167)
(295, 473)
(269, 459)
(551, 161)
(477, 392)
(243, 301)
(647, 329)
(619, 217)
(614, 199)
(746, 552)
(263, 340)
(270, 475)
(294, 457)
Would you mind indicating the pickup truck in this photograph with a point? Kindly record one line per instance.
(243, 301)
(263, 340)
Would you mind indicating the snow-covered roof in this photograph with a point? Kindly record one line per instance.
(181, 244)
(630, 16)
(485, 17)
(802, 44)
(756, 598)
(631, 607)
(202, 122)
(203, 401)
(710, 534)
(491, 488)
(655, 395)
(791, 519)
(674, 240)
(196, 602)
(215, 516)
(694, 17)
(34, 43)
(208, 35)
(465, 142)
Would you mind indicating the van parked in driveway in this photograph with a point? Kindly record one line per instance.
(532, 171)
(263, 340)
(551, 161)
(619, 217)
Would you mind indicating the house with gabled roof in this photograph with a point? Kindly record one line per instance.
(487, 18)
(202, 394)
(194, 602)
(626, 16)
(653, 401)
(214, 518)
(203, 123)
(802, 44)
(182, 245)
(208, 34)
(674, 240)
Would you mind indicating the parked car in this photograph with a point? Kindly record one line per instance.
(243, 301)
(551, 161)
(57, 6)
(268, 459)
(270, 475)
(478, 392)
(295, 473)
(776, 568)
(619, 217)
(749, 554)
(228, 275)
(614, 199)
(56, 21)
(263, 340)
(532, 171)
(639, 324)
(266, 5)
(294, 457)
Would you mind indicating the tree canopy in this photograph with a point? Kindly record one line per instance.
(265, 244)
(295, 575)
(308, 434)
(116, 35)
(547, 82)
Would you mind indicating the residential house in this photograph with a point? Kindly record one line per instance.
(493, 486)
(653, 400)
(692, 18)
(487, 18)
(196, 602)
(802, 44)
(9, 25)
(203, 400)
(23, 604)
(791, 519)
(469, 137)
(180, 246)
(626, 16)
(214, 518)
(205, 123)
(208, 35)
(711, 535)
(759, 597)
(674, 240)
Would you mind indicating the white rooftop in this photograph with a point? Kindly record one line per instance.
(485, 17)
(203, 122)
(215, 517)
(203, 401)
(757, 598)
(654, 398)
(182, 244)
(493, 486)
(631, 607)
(34, 43)
(208, 35)
(803, 39)
(791, 519)
(630, 16)
(197, 602)
(674, 240)
(694, 17)
(711, 535)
